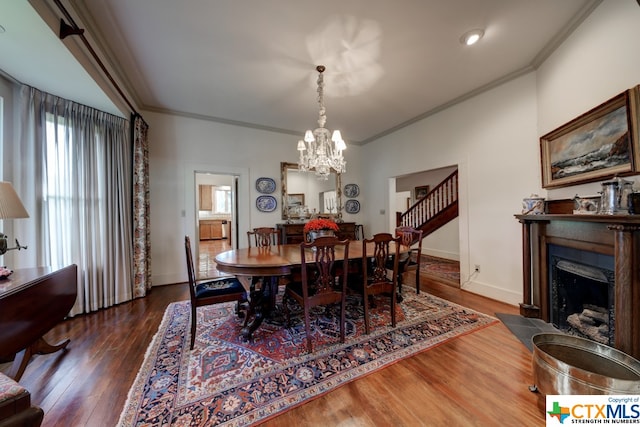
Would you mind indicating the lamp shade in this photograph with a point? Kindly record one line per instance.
(10, 204)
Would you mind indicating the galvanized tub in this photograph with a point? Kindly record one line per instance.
(566, 364)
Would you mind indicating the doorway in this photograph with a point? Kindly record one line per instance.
(440, 249)
(216, 218)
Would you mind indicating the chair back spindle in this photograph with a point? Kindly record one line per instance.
(411, 260)
(263, 237)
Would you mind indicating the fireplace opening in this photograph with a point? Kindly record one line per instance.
(582, 295)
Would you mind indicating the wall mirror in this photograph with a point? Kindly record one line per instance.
(304, 194)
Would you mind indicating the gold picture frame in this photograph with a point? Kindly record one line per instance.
(599, 144)
(420, 191)
(295, 200)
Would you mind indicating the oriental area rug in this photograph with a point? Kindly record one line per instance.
(445, 269)
(226, 381)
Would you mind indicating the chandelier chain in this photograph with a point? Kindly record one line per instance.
(322, 116)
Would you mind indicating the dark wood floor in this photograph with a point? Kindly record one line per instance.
(479, 379)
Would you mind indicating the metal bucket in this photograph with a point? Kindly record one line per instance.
(566, 364)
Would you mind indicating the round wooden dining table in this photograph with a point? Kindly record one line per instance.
(271, 263)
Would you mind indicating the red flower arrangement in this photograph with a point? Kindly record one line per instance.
(320, 224)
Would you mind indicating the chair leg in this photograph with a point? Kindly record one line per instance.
(307, 327)
(285, 308)
(365, 301)
(417, 282)
(393, 309)
(343, 319)
(400, 281)
(193, 325)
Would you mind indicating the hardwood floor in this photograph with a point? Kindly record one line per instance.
(479, 379)
(207, 251)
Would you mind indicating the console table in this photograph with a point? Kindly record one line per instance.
(615, 235)
(293, 233)
(32, 302)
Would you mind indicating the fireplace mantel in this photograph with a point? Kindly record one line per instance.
(616, 235)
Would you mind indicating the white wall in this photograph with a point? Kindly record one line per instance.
(181, 146)
(493, 140)
(599, 61)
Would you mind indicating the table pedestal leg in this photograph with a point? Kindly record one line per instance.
(261, 303)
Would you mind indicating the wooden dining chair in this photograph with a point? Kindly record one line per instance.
(207, 292)
(323, 281)
(411, 256)
(263, 236)
(377, 277)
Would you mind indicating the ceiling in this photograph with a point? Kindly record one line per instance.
(253, 62)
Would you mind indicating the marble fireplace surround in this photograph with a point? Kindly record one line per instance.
(616, 235)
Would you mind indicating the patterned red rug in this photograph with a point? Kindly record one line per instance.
(441, 268)
(224, 381)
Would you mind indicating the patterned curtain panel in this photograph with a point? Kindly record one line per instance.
(141, 231)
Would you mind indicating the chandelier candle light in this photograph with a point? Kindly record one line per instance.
(319, 152)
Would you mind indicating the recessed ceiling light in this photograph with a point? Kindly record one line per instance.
(471, 37)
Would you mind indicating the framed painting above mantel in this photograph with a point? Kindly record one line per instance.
(597, 145)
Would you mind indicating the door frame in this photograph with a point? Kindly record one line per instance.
(190, 213)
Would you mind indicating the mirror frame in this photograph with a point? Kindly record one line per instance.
(284, 167)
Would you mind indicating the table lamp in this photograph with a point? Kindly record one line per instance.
(10, 208)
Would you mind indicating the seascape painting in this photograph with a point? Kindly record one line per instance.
(598, 144)
(601, 144)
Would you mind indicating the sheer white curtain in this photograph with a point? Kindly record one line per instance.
(74, 176)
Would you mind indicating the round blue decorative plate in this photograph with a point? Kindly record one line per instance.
(352, 206)
(266, 203)
(265, 185)
(351, 190)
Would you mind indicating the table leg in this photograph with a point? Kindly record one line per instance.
(40, 346)
(260, 306)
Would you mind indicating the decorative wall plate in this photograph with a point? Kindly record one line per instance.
(265, 185)
(352, 206)
(266, 203)
(351, 190)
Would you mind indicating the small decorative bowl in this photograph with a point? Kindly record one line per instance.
(5, 272)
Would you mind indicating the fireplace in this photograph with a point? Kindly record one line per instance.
(582, 252)
(582, 293)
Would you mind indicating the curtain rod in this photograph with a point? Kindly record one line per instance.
(73, 29)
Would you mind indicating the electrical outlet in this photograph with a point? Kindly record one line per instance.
(477, 268)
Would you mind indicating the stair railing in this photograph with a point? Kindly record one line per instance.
(443, 196)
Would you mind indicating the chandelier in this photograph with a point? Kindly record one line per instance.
(318, 152)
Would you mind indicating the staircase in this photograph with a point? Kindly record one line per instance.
(435, 209)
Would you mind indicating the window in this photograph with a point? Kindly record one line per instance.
(57, 196)
(222, 199)
(78, 179)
